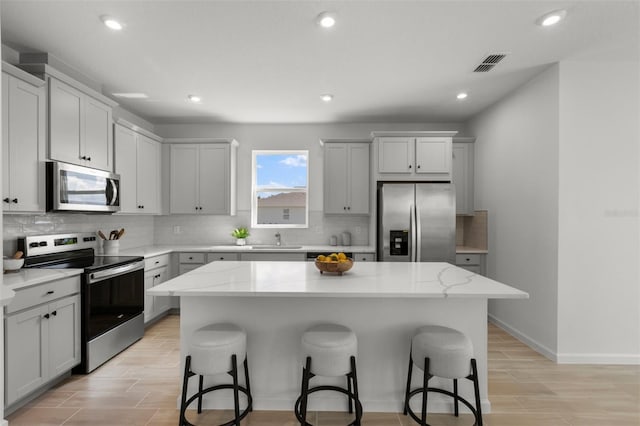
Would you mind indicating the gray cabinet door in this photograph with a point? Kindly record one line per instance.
(64, 335)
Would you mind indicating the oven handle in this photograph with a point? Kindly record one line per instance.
(95, 277)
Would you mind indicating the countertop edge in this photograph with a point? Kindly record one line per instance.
(33, 276)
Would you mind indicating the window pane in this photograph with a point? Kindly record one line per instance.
(286, 208)
(281, 170)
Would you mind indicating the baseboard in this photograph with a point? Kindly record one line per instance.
(617, 359)
(567, 358)
(532, 343)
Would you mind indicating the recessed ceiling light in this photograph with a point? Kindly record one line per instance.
(461, 95)
(326, 20)
(551, 18)
(132, 95)
(112, 23)
(195, 99)
(327, 97)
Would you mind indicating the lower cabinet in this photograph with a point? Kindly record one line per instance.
(156, 272)
(474, 262)
(364, 257)
(190, 261)
(42, 340)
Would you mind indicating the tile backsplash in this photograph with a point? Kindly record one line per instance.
(182, 229)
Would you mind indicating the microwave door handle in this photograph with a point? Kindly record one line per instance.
(114, 192)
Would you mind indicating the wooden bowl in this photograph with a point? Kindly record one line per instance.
(335, 267)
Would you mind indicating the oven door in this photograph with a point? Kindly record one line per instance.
(112, 297)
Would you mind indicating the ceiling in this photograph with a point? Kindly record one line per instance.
(268, 61)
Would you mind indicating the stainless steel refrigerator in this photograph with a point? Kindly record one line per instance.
(416, 222)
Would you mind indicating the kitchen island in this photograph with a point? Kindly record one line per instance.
(383, 302)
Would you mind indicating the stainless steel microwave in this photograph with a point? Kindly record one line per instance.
(81, 189)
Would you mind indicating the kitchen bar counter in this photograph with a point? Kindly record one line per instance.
(382, 302)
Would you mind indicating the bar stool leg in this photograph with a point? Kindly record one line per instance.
(476, 390)
(185, 383)
(200, 387)
(349, 401)
(236, 400)
(406, 395)
(425, 385)
(246, 379)
(354, 377)
(306, 375)
(455, 398)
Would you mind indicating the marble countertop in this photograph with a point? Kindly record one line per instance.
(150, 251)
(365, 279)
(32, 276)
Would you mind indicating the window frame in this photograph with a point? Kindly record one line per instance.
(255, 189)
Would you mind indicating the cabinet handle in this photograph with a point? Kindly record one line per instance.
(83, 157)
(54, 313)
(88, 158)
(190, 258)
(50, 292)
(222, 258)
(349, 208)
(156, 276)
(344, 208)
(157, 261)
(6, 200)
(418, 165)
(46, 316)
(409, 165)
(15, 200)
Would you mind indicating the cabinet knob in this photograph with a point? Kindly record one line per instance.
(344, 208)
(15, 200)
(222, 258)
(418, 165)
(349, 208)
(54, 313)
(83, 157)
(88, 158)
(157, 261)
(50, 292)
(46, 316)
(6, 200)
(409, 165)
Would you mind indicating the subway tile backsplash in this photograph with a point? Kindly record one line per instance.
(182, 229)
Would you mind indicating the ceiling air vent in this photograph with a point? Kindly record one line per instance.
(489, 62)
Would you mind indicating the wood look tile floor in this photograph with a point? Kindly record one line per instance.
(139, 387)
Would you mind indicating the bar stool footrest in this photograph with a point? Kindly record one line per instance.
(443, 391)
(243, 414)
(351, 395)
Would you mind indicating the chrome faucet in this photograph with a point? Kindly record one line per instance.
(278, 242)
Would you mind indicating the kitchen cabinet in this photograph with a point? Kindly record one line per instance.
(220, 256)
(190, 261)
(80, 127)
(42, 336)
(423, 155)
(364, 257)
(156, 271)
(137, 161)
(203, 178)
(474, 262)
(346, 178)
(23, 142)
(462, 175)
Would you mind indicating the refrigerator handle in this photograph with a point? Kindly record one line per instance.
(412, 233)
(418, 233)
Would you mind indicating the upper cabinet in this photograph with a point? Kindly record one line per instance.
(80, 127)
(462, 174)
(23, 141)
(203, 178)
(346, 177)
(137, 161)
(80, 122)
(414, 155)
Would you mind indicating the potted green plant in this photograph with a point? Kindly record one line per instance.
(240, 234)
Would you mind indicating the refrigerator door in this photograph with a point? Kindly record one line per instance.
(436, 222)
(395, 211)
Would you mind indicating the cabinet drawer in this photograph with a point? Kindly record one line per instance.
(43, 293)
(467, 259)
(191, 257)
(214, 257)
(156, 262)
(364, 257)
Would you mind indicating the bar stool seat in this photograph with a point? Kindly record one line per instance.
(329, 350)
(217, 349)
(447, 353)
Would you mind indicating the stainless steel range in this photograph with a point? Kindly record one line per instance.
(112, 316)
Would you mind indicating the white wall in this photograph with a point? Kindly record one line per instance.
(516, 180)
(599, 254)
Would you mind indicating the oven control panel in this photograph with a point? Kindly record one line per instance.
(35, 245)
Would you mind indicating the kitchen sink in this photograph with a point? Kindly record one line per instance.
(274, 247)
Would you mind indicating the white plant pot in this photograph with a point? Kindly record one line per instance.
(241, 241)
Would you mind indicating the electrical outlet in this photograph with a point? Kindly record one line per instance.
(177, 229)
(358, 229)
(318, 229)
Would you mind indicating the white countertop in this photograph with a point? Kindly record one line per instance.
(365, 279)
(32, 276)
(150, 251)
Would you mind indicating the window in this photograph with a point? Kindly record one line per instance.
(280, 198)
